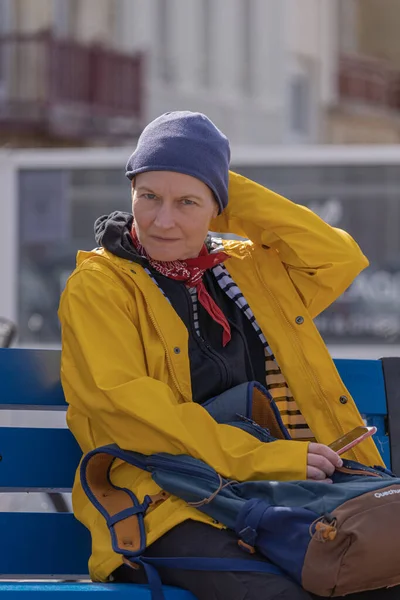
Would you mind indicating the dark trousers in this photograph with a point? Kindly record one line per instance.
(197, 539)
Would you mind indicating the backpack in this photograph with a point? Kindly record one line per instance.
(332, 540)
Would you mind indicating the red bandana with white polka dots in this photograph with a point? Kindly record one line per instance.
(191, 271)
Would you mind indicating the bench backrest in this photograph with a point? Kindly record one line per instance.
(45, 459)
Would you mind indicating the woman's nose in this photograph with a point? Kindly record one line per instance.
(164, 217)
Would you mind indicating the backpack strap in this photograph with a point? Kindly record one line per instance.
(124, 516)
(123, 512)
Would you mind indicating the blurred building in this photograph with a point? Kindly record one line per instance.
(63, 79)
(261, 69)
(93, 72)
(368, 101)
(75, 72)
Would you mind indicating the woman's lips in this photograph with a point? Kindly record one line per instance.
(164, 240)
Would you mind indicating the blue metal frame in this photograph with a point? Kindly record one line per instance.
(70, 591)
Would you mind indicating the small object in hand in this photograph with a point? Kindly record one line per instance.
(352, 438)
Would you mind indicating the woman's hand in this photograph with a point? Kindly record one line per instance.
(321, 462)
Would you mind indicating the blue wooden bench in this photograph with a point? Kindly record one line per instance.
(55, 545)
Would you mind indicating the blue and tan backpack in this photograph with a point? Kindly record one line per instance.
(331, 539)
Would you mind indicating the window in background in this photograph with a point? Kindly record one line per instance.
(6, 13)
(206, 42)
(164, 41)
(348, 26)
(299, 101)
(6, 24)
(365, 201)
(118, 13)
(302, 104)
(58, 209)
(65, 15)
(246, 20)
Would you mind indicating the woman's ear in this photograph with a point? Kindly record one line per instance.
(133, 190)
(215, 210)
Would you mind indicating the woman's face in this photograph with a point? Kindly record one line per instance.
(172, 214)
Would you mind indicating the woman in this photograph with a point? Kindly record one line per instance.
(157, 321)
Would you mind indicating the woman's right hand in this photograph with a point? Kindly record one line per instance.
(321, 462)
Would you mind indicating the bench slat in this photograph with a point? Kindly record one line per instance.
(30, 379)
(71, 590)
(43, 544)
(364, 380)
(37, 459)
(61, 549)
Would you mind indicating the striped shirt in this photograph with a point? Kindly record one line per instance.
(275, 380)
(193, 295)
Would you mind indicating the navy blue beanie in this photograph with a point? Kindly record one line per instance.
(184, 142)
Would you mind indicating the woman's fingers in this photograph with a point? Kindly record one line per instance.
(317, 475)
(321, 462)
(327, 452)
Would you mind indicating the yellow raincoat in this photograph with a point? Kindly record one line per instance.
(125, 365)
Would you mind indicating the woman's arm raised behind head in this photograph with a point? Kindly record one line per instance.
(321, 260)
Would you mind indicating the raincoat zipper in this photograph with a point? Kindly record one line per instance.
(158, 330)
